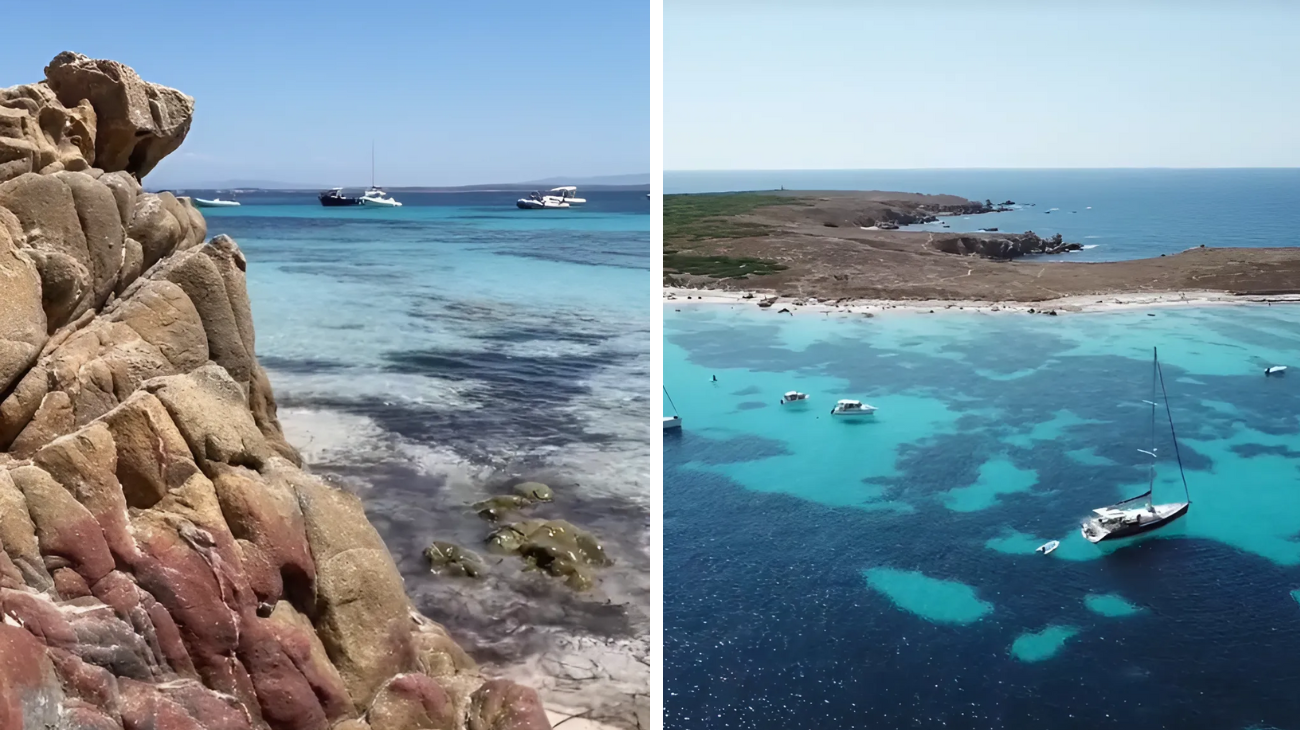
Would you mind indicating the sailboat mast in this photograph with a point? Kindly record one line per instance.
(372, 163)
(1151, 470)
(670, 400)
(1170, 414)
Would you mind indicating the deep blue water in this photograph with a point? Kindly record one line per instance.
(1123, 214)
(426, 356)
(824, 574)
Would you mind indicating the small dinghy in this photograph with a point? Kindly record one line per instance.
(1047, 547)
(1275, 370)
(794, 396)
(216, 203)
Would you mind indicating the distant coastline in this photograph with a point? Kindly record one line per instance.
(840, 246)
(605, 182)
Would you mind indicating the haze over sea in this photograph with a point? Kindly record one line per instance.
(883, 573)
(1118, 213)
(428, 356)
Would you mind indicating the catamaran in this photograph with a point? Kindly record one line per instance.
(674, 421)
(1139, 514)
(794, 396)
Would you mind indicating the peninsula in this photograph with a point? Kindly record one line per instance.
(840, 246)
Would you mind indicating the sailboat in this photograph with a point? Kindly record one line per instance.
(1140, 514)
(674, 421)
(376, 196)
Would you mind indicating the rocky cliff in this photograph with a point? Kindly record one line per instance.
(165, 562)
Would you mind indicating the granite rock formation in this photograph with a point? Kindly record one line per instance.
(165, 561)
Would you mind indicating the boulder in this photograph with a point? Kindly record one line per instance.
(362, 614)
(138, 123)
(22, 315)
(46, 211)
(208, 407)
(534, 491)
(503, 705)
(37, 132)
(412, 702)
(30, 694)
(447, 558)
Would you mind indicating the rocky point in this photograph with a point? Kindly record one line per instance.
(165, 561)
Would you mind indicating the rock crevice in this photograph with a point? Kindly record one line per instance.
(165, 561)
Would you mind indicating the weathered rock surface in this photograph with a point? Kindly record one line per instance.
(164, 560)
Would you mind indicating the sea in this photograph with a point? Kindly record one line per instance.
(430, 356)
(884, 573)
(1115, 214)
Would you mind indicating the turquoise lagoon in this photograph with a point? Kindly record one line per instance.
(824, 573)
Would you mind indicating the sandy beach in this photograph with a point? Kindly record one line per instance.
(678, 296)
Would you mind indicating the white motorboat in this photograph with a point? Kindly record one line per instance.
(216, 203)
(567, 194)
(1138, 514)
(852, 408)
(537, 200)
(674, 421)
(376, 196)
(793, 397)
(1047, 547)
(1276, 370)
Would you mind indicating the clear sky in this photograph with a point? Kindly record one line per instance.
(827, 84)
(451, 92)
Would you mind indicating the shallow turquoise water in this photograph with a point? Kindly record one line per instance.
(427, 356)
(902, 546)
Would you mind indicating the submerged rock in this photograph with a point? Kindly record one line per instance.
(555, 547)
(494, 508)
(535, 491)
(447, 558)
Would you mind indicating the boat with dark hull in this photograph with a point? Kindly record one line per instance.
(1139, 514)
(334, 197)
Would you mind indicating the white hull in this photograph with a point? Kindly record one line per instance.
(381, 202)
(1134, 522)
(201, 203)
(528, 204)
(854, 413)
(672, 422)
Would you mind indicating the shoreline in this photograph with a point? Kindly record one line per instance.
(1076, 304)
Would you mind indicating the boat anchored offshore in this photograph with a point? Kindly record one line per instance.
(536, 200)
(852, 408)
(334, 197)
(216, 203)
(794, 396)
(674, 421)
(1275, 370)
(1047, 547)
(376, 196)
(567, 194)
(1138, 514)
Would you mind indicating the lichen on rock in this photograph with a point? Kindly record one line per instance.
(165, 561)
